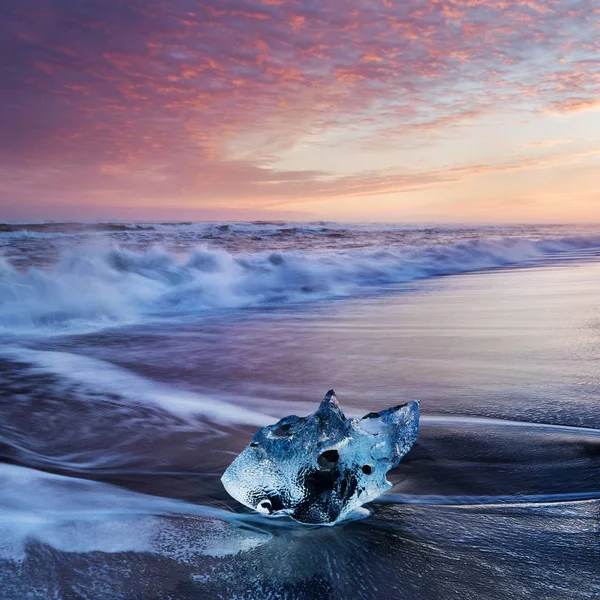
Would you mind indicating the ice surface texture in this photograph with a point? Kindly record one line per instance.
(320, 468)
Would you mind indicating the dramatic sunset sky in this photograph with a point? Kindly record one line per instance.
(379, 110)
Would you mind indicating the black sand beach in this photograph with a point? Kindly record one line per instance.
(114, 442)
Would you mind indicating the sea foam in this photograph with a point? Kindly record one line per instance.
(76, 515)
(93, 287)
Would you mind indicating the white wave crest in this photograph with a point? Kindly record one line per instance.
(90, 287)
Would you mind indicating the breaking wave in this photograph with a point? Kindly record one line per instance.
(91, 287)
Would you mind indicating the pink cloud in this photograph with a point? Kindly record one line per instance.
(148, 100)
(575, 105)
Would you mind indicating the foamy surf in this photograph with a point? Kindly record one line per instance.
(95, 287)
(76, 515)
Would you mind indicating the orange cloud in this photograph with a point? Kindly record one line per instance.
(570, 105)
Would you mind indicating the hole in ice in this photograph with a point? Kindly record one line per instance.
(276, 501)
(367, 469)
(328, 460)
(282, 430)
(265, 506)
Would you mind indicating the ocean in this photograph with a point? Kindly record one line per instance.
(137, 359)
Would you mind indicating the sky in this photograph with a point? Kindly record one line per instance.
(483, 111)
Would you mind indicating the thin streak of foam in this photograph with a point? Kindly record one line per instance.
(492, 500)
(101, 375)
(487, 422)
(64, 498)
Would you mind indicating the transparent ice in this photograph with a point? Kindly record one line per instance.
(319, 469)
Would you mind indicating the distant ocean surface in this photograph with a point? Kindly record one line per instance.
(138, 359)
(77, 276)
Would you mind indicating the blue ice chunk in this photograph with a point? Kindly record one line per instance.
(318, 469)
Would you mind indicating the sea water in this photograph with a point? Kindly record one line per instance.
(137, 359)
